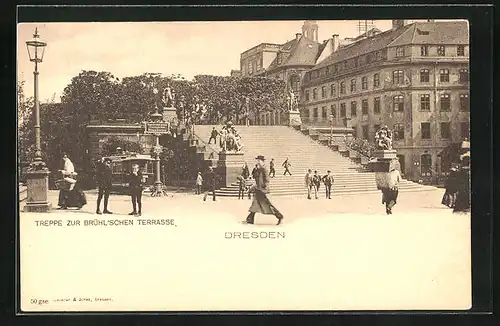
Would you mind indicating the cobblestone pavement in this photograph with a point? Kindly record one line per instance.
(191, 205)
(343, 253)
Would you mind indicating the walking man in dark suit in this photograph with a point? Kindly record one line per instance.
(261, 203)
(213, 136)
(242, 186)
(328, 181)
(211, 183)
(287, 166)
(103, 179)
(272, 171)
(316, 183)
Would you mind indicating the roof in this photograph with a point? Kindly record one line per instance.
(375, 43)
(298, 52)
(368, 33)
(455, 32)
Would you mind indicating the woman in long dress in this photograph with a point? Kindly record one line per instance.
(462, 201)
(70, 193)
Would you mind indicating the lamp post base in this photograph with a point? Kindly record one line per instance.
(158, 190)
(37, 192)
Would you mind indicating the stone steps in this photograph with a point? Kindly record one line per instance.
(304, 153)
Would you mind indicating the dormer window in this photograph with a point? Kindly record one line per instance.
(420, 32)
(400, 52)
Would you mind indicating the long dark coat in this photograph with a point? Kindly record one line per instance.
(261, 203)
(103, 176)
(462, 202)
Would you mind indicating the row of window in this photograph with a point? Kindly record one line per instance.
(424, 51)
(425, 130)
(253, 65)
(397, 105)
(398, 78)
(347, 64)
(374, 57)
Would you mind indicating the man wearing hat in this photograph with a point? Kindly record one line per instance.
(328, 181)
(261, 203)
(211, 183)
(103, 178)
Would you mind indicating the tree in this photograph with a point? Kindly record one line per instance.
(25, 124)
(225, 97)
(112, 143)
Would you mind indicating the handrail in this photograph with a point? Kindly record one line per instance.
(204, 143)
(364, 154)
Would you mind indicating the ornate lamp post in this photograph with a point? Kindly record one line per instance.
(331, 129)
(157, 149)
(38, 174)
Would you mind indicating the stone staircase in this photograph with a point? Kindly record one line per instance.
(280, 142)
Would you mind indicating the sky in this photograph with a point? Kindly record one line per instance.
(133, 48)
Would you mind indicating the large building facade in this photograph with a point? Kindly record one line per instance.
(288, 61)
(413, 78)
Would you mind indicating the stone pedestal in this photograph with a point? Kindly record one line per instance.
(229, 167)
(169, 114)
(294, 118)
(386, 160)
(37, 192)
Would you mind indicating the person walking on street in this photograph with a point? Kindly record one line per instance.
(254, 171)
(260, 189)
(213, 135)
(328, 181)
(136, 183)
(317, 183)
(242, 185)
(272, 171)
(463, 201)
(451, 188)
(199, 183)
(246, 171)
(309, 183)
(103, 178)
(211, 183)
(390, 193)
(287, 166)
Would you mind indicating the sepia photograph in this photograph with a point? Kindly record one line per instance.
(265, 165)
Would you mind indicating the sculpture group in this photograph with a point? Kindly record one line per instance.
(383, 138)
(230, 140)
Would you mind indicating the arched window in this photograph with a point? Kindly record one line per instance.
(295, 83)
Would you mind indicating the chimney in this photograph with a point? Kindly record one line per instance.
(297, 36)
(335, 42)
(398, 23)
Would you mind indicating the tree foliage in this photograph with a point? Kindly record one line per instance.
(93, 95)
(127, 146)
(25, 135)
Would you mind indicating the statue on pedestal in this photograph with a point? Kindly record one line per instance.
(230, 139)
(383, 138)
(168, 97)
(292, 101)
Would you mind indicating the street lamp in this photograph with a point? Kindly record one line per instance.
(38, 174)
(331, 129)
(157, 148)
